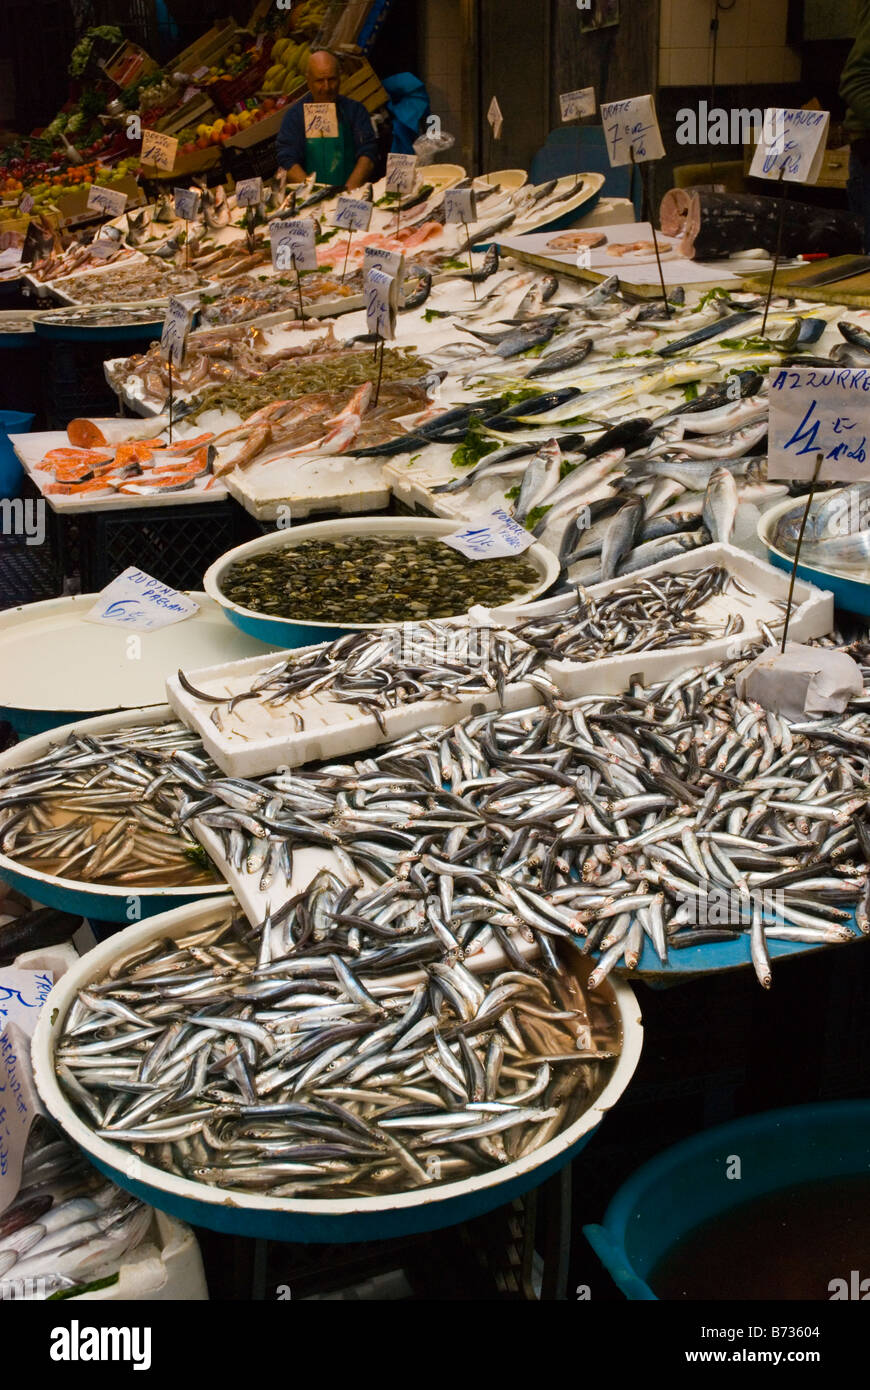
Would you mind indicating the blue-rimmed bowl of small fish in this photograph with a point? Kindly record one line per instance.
(393, 1063)
(315, 583)
(92, 817)
(835, 550)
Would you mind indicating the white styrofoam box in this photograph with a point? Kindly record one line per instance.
(310, 484)
(166, 1267)
(812, 616)
(256, 740)
(609, 212)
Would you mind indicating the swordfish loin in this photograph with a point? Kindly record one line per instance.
(713, 225)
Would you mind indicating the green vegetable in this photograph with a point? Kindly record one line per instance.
(430, 314)
(534, 516)
(82, 51)
(474, 447)
(74, 1292)
(717, 292)
(690, 392)
(513, 493)
(325, 236)
(452, 263)
(534, 351)
(523, 393)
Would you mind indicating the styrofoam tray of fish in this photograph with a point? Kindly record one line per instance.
(32, 448)
(812, 616)
(255, 739)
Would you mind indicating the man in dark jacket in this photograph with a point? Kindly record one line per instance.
(346, 159)
(855, 91)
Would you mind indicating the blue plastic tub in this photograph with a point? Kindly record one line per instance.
(850, 592)
(687, 1185)
(11, 472)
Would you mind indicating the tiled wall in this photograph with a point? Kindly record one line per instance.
(442, 52)
(751, 45)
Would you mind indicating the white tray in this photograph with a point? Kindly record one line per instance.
(256, 742)
(52, 658)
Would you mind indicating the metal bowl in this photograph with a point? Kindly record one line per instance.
(849, 592)
(102, 902)
(279, 1218)
(296, 632)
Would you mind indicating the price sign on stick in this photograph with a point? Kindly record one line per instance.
(489, 536)
(248, 192)
(460, 205)
(102, 249)
(186, 203)
(293, 246)
(495, 118)
(26, 204)
(353, 214)
(401, 173)
(106, 200)
(631, 129)
(158, 149)
(577, 104)
(380, 296)
(321, 120)
(814, 410)
(19, 1106)
(392, 262)
(176, 327)
(792, 145)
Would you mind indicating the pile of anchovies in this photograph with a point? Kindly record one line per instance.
(377, 671)
(107, 808)
(302, 1058)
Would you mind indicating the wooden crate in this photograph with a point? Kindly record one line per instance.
(194, 163)
(200, 110)
(213, 43)
(361, 83)
(128, 63)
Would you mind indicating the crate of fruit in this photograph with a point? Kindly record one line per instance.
(226, 92)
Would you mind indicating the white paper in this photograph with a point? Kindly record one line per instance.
(819, 410)
(22, 994)
(26, 204)
(103, 248)
(401, 173)
(321, 120)
(137, 601)
(792, 145)
(176, 326)
(391, 262)
(380, 296)
(107, 199)
(200, 73)
(632, 125)
(186, 203)
(489, 536)
(353, 214)
(802, 681)
(460, 205)
(249, 191)
(579, 103)
(19, 1106)
(293, 246)
(495, 118)
(158, 149)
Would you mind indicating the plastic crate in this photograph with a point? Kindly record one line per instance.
(251, 161)
(74, 381)
(175, 544)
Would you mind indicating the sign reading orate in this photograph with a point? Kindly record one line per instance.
(107, 200)
(792, 145)
(579, 103)
(495, 118)
(176, 327)
(490, 535)
(248, 192)
(186, 203)
(353, 214)
(460, 205)
(819, 410)
(401, 173)
(632, 126)
(321, 120)
(158, 149)
(293, 245)
(380, 296)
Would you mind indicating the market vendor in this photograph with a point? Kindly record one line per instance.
(855, 91)
(346, 160)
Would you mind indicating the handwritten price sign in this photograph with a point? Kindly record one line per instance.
(575, 104)
(792, 145)
(632, 126)
(460, 205)
(814, 410)
(137, 600)
(380, 295)
(401, 173)
(321, 120)
(293, 244)
(353, 214)
(158, 149)
(248, 192)
(490, 535)
(176, 326)
(107, 200)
